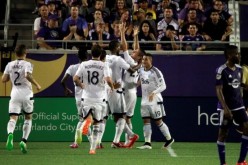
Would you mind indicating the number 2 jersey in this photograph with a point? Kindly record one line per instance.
(21, 87)
(93, 73)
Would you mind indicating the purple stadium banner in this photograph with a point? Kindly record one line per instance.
(185, 75)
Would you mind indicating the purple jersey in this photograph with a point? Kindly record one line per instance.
(230, 80)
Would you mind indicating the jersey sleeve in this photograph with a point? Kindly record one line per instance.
(106, 70)
(128, 58)
(159, 78)
(123, 64)
(245, 75)
(80, 70)
(28, 68)
(7, 70)
(69, 70)
(218, 77)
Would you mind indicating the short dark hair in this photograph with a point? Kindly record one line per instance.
(20, 50)
(96, 51)
(103, 55)
(148, 54)
(230, 49)
(83, 54)
(113, 45)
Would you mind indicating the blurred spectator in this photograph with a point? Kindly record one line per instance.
(216, 28)
(120, 7)
(146, 34)
(193, 4)
(167, 20)
(137, 4)
(51, 32)
(125, 18)
(138, 17)
(144, 4)
(42, 20)
(66, 9)
(193, 36)
(164, 5)
(224, 15)
(116, 33)
(55, 7)
(99, 34)
(98, 18)
(37, 3)
(170, 35)
(75, 27)
(98, 5)
(192, 18)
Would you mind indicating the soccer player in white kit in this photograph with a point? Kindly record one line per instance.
(152, 84)
(70, 72)
(19, 72)
(116, 98)
(130, 80)
(94, 73)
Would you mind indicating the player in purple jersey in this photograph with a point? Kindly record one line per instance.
(231, 106)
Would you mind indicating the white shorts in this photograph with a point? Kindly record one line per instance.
(130, 99)
(117, 103)
(96, 108)
(155, 111)
(17, 105)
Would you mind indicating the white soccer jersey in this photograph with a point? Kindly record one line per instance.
(93, 73)
(72, 71)
(116, 64)
(152, 81)
(21, 87)
(130, 79)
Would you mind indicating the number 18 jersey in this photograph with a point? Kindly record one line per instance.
(21, 87)
(93, 73)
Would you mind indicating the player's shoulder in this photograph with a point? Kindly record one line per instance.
(156, 71)
(220, 69)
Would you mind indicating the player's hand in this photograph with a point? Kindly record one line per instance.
(228, 113)
(38, 87)
(68, 92)
(116, 85)
(151, 96)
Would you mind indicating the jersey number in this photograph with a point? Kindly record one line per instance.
(93, 77)
(17, 77)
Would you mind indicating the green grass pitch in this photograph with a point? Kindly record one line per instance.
(59, 153)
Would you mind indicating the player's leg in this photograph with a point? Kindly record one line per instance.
(157, 113)
(222, 135)
(87, 113)
(27, 125)
(14, 112)
(119, 127)
(102, 126)
(97, 114)
(132, 136)
(78, 133)
(130, 99)
(147, 129)
(241, 117)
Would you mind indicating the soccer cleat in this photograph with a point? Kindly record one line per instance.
(132, 140)
(79, 137)
(168, 143)
(99, 146)
(74, 145)
(23, 147)
(86, 126)
(9, 144)
(117, 145)
(92, 152)
(145, 146)
(243, 163)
